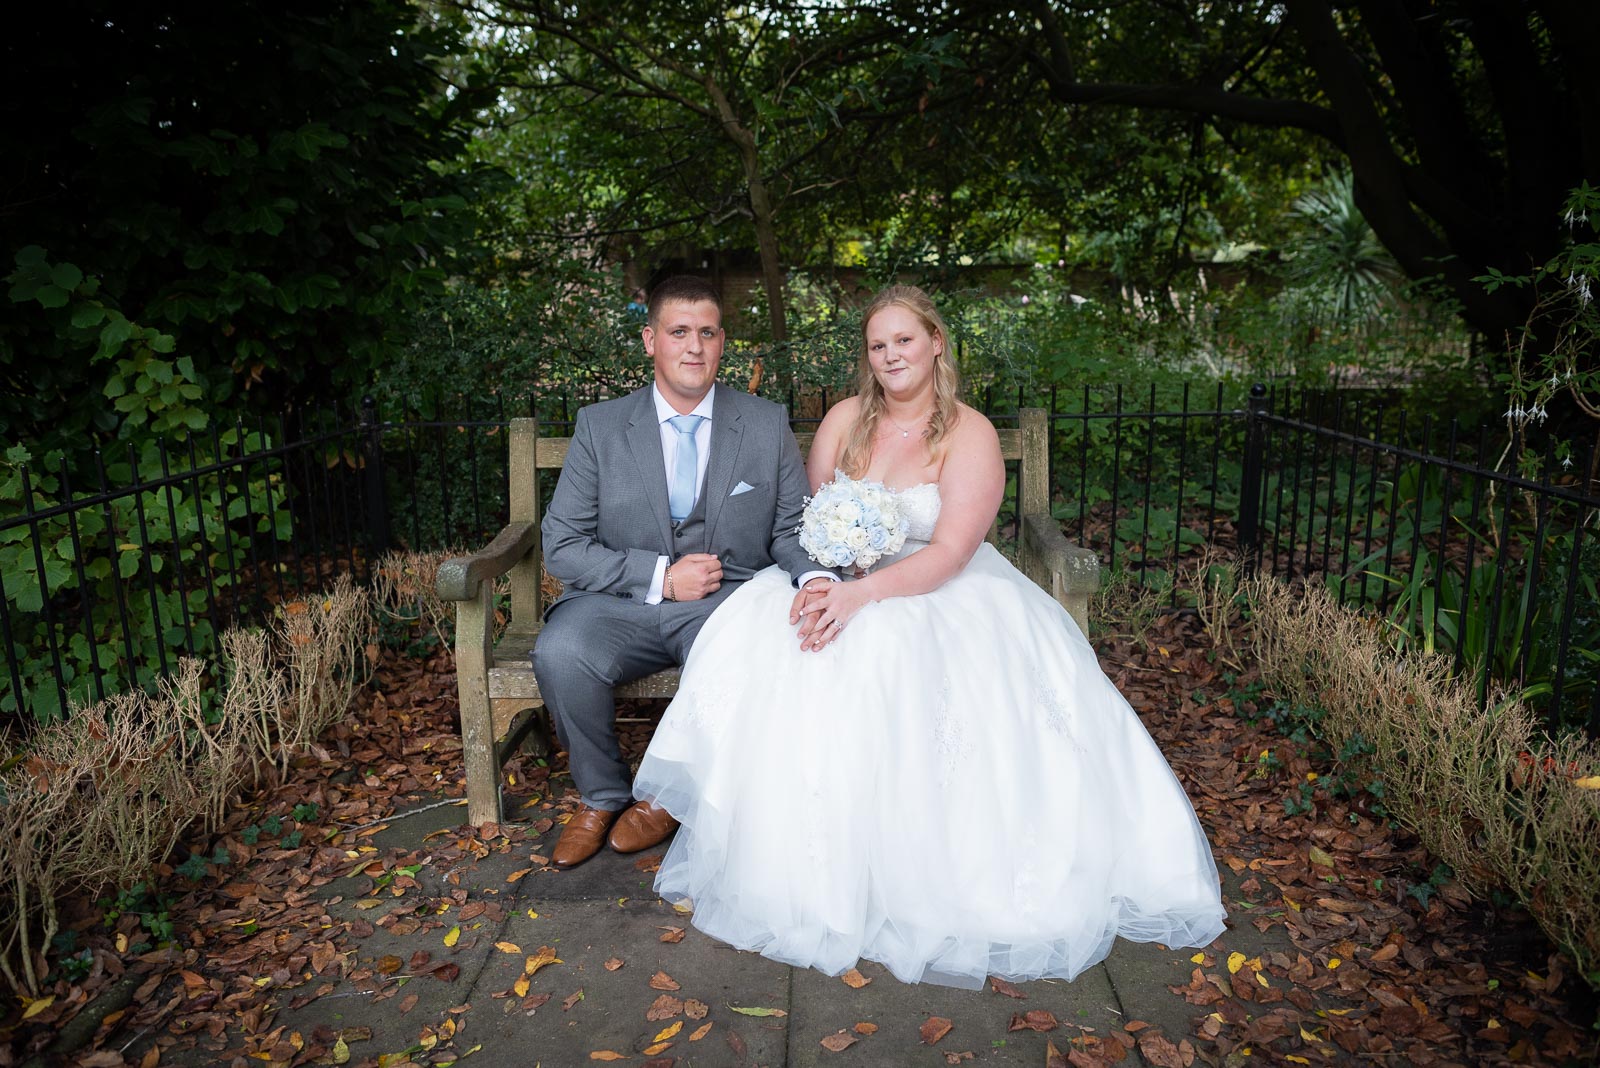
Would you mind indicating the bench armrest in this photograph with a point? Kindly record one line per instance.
(1078, 567)
(459, 577)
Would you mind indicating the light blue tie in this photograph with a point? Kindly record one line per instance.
(685, 467)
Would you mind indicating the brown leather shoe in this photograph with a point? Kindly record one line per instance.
(582, 837)
(641, 826)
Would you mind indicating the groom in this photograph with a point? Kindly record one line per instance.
(670, 498)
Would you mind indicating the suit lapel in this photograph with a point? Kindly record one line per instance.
(644, 440)
(727, 432)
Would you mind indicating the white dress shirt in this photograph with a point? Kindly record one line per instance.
(669, 450)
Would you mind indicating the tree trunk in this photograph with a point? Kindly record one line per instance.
(762, 217)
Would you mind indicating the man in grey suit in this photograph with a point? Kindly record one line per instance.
(670, 498)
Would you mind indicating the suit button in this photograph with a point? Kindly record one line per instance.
(680, 533)
(626, 596)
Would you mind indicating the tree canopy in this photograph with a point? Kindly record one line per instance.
(224, 197)
(1464, 123)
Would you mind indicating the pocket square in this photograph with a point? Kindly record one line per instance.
(742, 487)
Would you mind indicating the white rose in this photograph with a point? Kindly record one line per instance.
(856, 539)
(848, 512)
(837, 530)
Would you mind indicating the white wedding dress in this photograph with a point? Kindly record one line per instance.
(953, 788)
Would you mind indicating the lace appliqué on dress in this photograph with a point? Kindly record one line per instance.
(949, 736)
(707, 707)
(1057, 711)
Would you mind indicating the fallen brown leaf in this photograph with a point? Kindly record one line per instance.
(839, 1041)
(700, 1032)
(864, 1028)
(695, 1010)
(649, 864)
(1033, 1020)
(572, 999)
(673, 934)
(664, 1007)
(613, 964)
(854, 979)
(1000, 986)
(1159, 1050)
(933, 1029)
(663, 981)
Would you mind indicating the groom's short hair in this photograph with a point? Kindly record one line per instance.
(684, 289)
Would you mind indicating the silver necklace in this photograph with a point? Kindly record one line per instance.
(904, 433)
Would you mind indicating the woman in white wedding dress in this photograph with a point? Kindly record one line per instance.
(936, 775)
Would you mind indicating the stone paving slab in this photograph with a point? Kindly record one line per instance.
(605, 911)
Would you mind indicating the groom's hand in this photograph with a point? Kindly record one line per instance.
(799, 610)
(695, 575)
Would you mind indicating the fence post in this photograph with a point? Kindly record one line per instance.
(1249, 528)
(373, 483)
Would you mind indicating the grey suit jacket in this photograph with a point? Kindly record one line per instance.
(608, 522)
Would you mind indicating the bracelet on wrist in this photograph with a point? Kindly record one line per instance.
(670, 597)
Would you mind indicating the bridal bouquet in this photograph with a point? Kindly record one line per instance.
(851, 523)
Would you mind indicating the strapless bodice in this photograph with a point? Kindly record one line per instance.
(919, 505)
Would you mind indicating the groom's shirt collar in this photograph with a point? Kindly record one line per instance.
(665, 411)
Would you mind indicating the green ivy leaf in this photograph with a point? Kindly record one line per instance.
(66, 276)
(85, 316)
(52, 296)
(114, 334)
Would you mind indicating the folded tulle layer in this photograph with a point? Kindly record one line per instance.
(953, 789)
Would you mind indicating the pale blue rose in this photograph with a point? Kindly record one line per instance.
(878, 538)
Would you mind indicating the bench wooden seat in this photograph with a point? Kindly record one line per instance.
(499, 694)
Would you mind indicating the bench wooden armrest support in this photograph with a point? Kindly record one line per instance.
(1069, 573)
(458, 577)
(498, 690)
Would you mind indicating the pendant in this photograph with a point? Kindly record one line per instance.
(905, 433)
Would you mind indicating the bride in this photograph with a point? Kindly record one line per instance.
(932, 772)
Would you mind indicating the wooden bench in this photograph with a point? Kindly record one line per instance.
(499, 694)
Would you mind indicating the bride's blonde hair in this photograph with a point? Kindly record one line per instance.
(946, 381)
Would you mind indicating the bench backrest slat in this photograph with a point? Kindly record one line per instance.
(1027, 444)
(553, 451)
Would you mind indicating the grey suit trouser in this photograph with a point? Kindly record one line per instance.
(587, 646)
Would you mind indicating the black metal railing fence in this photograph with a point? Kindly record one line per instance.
(103, 588)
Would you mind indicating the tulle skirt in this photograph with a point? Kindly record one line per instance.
(953, 789)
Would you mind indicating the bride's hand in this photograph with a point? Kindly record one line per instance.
(798, 607)
(829, 611)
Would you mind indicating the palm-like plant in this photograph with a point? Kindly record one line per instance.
(1339, 266)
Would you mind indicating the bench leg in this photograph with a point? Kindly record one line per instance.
(477, 722)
